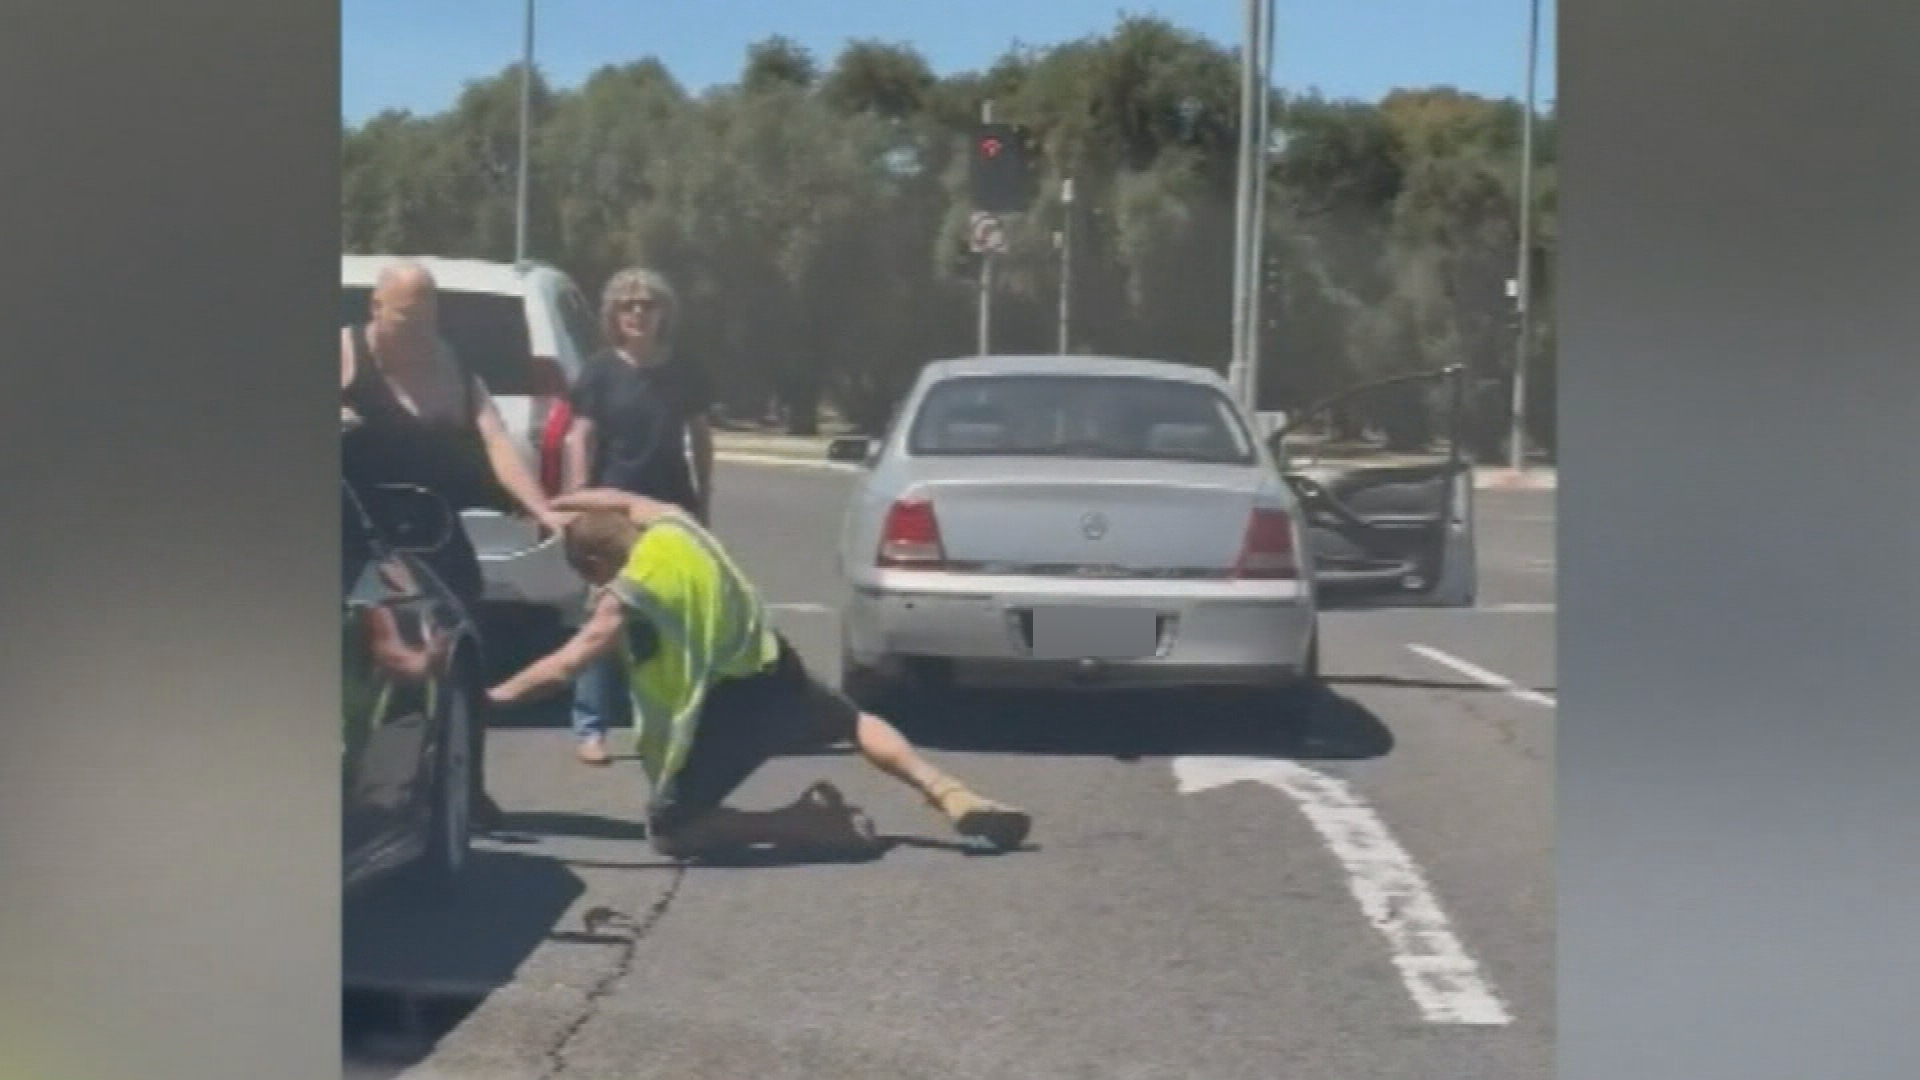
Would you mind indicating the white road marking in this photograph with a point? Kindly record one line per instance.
(1538, 566)
(1484, 677)
(1444, 981)
(1516, 609)
(803, 609)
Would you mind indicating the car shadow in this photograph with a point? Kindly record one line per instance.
(413, 968)
(1130, 727)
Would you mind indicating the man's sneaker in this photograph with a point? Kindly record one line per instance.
(979, 818)
(593, 751)
(833, 826)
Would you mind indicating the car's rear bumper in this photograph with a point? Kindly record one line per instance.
(977, 631)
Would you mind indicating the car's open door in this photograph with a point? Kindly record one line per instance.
(1385, 492)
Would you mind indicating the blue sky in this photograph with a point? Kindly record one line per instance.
(416, 54)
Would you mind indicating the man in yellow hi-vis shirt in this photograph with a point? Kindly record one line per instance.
(716, 690)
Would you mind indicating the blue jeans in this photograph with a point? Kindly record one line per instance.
(600, 699)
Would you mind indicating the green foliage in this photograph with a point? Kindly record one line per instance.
(814, 219)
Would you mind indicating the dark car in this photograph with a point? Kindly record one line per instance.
(410, 668)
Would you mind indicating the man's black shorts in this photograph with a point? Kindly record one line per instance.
(746, 721)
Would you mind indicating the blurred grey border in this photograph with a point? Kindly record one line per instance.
(1739, 741)
(169, 672)
(1739, 541)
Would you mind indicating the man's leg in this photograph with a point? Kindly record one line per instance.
(818, 822)
(739, 730)
(823, 714)
(971, 814)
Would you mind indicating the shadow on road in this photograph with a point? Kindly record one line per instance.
(1134, 726)
(517, 827)
(780, 849)
(1394, 682)
(413, 969)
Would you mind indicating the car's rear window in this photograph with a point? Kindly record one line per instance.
(488, 332)
(580, 323)
(1079, 416)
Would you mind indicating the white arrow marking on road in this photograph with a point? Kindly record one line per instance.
(1484, 677)
(1442, 978)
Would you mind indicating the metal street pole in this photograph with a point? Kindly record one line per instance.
(526, 123)
(1066, 260)
(1523, 275)
(986, 269)
(1243, 193)
(1257, 241)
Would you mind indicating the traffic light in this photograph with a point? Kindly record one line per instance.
(1002, 173)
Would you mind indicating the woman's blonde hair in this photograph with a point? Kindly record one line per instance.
(629, 284)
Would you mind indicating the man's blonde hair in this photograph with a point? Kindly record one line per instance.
(603, 536)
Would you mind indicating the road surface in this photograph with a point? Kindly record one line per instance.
(1208, 896)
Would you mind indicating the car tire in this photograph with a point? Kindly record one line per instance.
(870, 689)
(450, 826)
(1297, 698)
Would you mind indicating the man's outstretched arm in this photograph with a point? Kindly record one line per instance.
(597, 637)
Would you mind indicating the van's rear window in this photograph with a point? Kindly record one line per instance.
(488, 331)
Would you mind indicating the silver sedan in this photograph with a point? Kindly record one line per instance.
(1063, 521)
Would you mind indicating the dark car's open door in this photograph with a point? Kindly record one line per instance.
(1385, 492)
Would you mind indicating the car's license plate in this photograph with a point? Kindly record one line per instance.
(1095, 633)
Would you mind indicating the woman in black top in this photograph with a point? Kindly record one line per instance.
(415, 417)
(636, 414)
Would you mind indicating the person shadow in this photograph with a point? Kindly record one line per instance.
(820, 827)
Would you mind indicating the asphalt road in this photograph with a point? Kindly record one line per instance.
(1208, 894)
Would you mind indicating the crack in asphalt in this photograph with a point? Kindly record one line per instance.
(597, 920)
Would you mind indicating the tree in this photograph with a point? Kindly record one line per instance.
(814, 221)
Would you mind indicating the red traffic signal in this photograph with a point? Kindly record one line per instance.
(1001, 179)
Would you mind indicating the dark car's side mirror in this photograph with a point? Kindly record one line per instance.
(851, 450)
(410, 519)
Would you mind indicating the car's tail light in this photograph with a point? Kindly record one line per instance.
(1267, 552)
(910, 538)
(550, 393)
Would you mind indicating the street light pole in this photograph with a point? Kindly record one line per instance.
(1523, 273)
(1257, 227)
(526, 123)
(1243, 194)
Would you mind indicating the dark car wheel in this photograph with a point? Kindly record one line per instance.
(450, 829)
(869, 689)
(1295, 701)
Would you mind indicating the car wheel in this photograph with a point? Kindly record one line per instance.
(450, 831)
(1295, 701)
(868, 688)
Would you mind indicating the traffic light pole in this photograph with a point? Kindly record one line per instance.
(986, 270)
(1523, 272)
(1066, 261)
